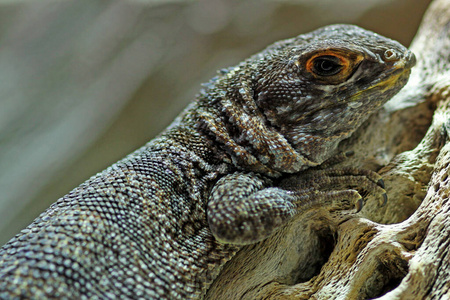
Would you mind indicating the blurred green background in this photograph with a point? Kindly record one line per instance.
(83, 83)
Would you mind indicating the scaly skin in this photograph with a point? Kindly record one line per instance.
(162, 222)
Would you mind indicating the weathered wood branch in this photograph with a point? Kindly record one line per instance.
(400, 251)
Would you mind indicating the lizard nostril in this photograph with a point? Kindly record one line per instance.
(390, 55)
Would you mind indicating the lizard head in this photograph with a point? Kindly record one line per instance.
(326, 83)
(288, 107)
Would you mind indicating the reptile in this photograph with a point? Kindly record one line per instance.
(163, 221)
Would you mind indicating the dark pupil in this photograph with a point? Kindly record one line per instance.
(327, 66)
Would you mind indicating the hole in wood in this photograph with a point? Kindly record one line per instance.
(319, 255)
(388, 274)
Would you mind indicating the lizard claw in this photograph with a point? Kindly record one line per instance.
(359, 204)
(380, 182)
(385, 199)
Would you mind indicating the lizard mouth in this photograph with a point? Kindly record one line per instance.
(394, 77)
(408, 61)
(400, 67)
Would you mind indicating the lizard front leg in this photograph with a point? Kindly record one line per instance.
(244, 208)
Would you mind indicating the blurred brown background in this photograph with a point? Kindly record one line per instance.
(83, 83)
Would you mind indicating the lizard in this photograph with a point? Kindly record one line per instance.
(163, 221)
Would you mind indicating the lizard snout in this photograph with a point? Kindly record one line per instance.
(400, 59)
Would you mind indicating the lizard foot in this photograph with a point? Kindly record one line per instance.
(341, 187)
(245, 208)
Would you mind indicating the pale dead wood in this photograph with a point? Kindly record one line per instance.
(400, 251)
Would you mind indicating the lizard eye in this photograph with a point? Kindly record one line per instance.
(326, 65)
(332, 66)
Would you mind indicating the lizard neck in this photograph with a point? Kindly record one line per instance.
(244, 134)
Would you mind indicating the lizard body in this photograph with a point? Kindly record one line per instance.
(163, 221)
